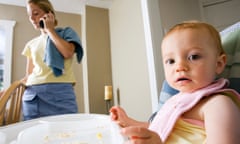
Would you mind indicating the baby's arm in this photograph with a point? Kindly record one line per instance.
(221, 117)
(119, 116)
(141, 135)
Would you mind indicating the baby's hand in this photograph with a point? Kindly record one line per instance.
(113, 113)
(119, 116)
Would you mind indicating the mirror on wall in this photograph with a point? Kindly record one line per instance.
(220, 13)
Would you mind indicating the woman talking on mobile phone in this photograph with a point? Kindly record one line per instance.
(49, 73)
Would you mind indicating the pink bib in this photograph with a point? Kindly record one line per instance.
(166, 118)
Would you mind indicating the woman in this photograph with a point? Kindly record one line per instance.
(49, 74)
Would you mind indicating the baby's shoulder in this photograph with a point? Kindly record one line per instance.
(217, 103)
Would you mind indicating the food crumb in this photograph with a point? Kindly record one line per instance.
(99, 136)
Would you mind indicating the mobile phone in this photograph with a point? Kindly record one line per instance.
(41, 24)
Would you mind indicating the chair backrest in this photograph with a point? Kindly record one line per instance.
(10, 103)
(231, 43)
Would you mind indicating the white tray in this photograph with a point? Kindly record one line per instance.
(73, 129)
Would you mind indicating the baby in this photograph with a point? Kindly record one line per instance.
(204, 110)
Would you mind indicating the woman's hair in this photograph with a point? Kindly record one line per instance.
(200, 25)
(45, 5)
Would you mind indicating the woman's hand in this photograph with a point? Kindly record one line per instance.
(49, 21)
(65, 47)
(24, 80)
(140, 135)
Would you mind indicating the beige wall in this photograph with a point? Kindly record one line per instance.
(175, 11)
(129, 58)
(24, 31)
(98, 57)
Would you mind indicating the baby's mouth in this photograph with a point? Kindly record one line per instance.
(182, 79)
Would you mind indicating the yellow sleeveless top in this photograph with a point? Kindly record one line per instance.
(186, 133)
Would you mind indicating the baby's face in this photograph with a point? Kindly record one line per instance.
(190, 59)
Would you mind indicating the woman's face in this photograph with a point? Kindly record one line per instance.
(34, 14)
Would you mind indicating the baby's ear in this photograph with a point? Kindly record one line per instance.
(221, 62)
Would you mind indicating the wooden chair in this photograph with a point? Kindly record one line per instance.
(10, 103)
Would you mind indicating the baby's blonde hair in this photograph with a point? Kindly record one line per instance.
(199, 25)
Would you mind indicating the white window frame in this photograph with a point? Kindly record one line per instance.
(8, 26)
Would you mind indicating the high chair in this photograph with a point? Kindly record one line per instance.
(10, 103)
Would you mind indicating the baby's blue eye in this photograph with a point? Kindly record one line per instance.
(194, 57)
